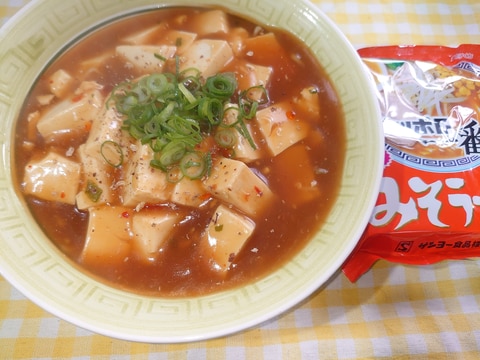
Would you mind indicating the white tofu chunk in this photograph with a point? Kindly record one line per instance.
(32, 121)
(144, 184)
(72, 114)
(211, 22)
(151, 230)
(147, 36)
(236, 39)
(226, 235)
(108, 236)
(207, 55)
(52, 178)
(146, 59)
(92, 64)
(189, 193)
(251, 75)
(281, 127)
(45, 99)
(60, 82)
(96, 178)
(308, 101)
(242, 149)
(180, 39)
(107, 126)
(234, 183)
(301, 185)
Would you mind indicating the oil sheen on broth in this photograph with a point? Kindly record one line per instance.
(89, 182)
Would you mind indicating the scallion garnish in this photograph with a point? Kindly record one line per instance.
(112, 153)
(160, 57)
(221, 86)
(93, 191)
(174, 112)
(193, 165)
(225, 137)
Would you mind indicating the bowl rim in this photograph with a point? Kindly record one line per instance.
(208, 329)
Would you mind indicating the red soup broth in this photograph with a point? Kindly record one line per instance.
(304, 177)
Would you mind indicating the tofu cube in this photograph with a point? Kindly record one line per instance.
(234, 183)
(180, 39)
(250, 75)
(300, 186)
(264, 49)
(60, 82)
(242, 149)
(32, 121)
(45, 99)
(144, 184)
(147, 36)
(280, 127)
(92, 64)
(308, 101)
(151, 230)
(72, 114)
(225, 237)
(53, 178)
(105, 127)
(211, 22)
(207, 55)
(95, 173)
(189, 193)
(236, 39)
(108, 235)
(146, 59)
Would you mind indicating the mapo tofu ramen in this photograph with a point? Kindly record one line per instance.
(181, 151)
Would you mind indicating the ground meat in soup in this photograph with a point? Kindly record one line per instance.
(104, 191)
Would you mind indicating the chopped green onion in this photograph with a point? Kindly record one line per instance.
(225, 137)
(243, 130)
(142, 92)
(211, 109)
(93, 191)
(221, 86)
(112, 153)
(188, 73)
(160, 57)
(256, 93)
(188, 95)
(172, 153)
(174, 112)
(157, 83)
(193, 165)
(248, 109)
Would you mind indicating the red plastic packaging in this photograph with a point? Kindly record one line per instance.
(428, 209)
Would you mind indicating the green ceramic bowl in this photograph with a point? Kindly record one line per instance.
(30, 262)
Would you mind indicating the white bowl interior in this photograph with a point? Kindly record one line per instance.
(32, 264)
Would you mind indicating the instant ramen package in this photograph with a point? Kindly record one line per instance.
(428, 208)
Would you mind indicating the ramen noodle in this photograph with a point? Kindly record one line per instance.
(428, 207)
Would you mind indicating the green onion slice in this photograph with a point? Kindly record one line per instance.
(256, 93)
(172, 153)
(193, 165)
(174, 112)
(226, 137)
(112, 153)
(221, 86)
(93, 191)
(212, 110)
